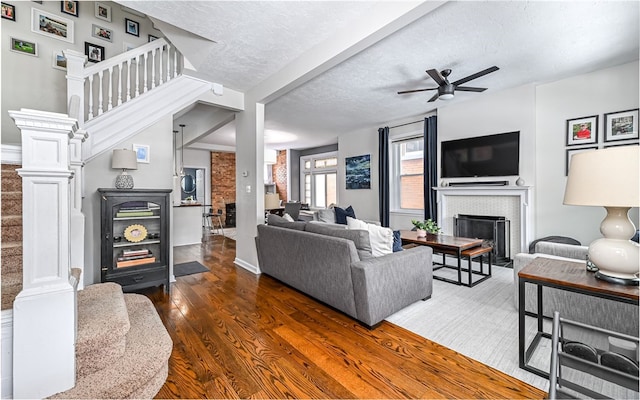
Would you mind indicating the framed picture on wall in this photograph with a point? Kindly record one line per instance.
(142, 153)
(94, 52)
(8, 11)
(132, 27)
(621, 125)
(24, 47)
(582, 130)
(572, 152)
(101, 33)
(103, 12)
(358, 172)
(59, 61)
(69, 7)
(51, 25)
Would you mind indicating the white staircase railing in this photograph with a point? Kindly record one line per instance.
(108, 84)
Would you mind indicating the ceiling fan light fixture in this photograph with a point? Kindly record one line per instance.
(446, 96)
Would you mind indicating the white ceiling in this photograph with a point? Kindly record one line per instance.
(531, 42)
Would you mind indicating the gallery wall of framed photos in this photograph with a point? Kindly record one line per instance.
(593, 132)
(35, 33)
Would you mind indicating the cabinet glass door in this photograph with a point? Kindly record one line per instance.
(136, 234)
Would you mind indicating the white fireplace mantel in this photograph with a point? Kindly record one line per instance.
(523, 194)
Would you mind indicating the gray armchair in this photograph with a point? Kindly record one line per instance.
(603, 313)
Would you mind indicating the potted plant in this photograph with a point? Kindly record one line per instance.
(424, 227)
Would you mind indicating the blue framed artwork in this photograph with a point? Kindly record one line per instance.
(142, 153)
(358, 174)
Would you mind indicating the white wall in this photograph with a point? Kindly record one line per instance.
(597, 93)
(24, 76)
(364, 201)
(158, 174)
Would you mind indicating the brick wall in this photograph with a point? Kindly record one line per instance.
(223, 180)
(280, 174)
(411, 187)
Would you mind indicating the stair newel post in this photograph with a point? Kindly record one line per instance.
(138, 76)
(44, 312)
(76, 81)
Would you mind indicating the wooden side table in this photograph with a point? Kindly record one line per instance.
(563, 275)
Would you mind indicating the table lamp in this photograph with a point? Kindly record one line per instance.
(271, 201)
(124, 159)
(609, 178)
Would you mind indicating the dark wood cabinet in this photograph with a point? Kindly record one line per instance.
(135, 237)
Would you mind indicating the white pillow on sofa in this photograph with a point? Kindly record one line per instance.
(381, 238)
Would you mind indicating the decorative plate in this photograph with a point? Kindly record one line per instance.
(135, 233)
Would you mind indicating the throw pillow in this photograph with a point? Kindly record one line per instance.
(328, 215)
(342, 214)
(381, 238)
(397, 242)
(288, 217)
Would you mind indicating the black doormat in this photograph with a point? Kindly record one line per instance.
(188, 268)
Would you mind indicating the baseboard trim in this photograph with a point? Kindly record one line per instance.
(248, 266)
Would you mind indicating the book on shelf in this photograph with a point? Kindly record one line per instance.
(127, 258)
(134, 213)
(131, 263)
(136, 252)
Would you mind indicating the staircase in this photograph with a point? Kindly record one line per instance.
(122, 347)
(11, 236)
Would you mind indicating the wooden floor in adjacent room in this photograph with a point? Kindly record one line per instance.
(238, 335)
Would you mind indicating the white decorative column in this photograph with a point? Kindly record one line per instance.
(44, 311)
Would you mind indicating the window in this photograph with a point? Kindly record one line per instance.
(407, 174)
(319, 177)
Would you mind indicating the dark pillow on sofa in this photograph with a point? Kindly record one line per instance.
(342, 214)
(397, 242)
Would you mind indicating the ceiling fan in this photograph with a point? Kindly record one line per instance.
(446, 89)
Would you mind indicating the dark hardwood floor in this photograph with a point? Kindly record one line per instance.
(238, 335)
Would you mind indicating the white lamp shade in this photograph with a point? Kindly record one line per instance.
(271, 201)
(606, 177)
(270, 156)
(124, 159)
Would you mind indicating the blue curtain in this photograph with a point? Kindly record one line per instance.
(430, 167)
(383, 164)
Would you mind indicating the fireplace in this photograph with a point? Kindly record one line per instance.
(495, 230)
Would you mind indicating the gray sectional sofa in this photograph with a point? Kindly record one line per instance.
(616, 316)
(334, 265)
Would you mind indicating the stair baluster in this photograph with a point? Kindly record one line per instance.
(110, 105)
(168, 65)
(90, 97)
(153, 69)
(138, 76)
(120, 71)
(100, 100)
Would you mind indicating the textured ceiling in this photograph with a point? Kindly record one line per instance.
(531, 42)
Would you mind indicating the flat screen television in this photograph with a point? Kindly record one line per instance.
(491, 155)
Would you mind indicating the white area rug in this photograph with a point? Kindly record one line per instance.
(479, 322)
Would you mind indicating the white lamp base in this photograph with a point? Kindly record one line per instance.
(617, 257)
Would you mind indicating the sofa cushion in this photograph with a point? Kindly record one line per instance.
(381, 238)
(276, 220)
(359, 237)
(327, 215)
(342, 214)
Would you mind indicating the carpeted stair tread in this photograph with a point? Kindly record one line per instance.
(142, 367)
(11, 286)
(103, 323)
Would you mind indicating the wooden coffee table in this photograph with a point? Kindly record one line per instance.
(459, 247)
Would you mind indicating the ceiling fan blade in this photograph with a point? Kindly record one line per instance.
(416, 90)
(435, 75)
(434, 98)
(476, 75)
(470, 89)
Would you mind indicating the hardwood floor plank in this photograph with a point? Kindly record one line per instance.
(238, 335)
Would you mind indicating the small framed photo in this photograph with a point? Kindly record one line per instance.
(152, 38)
(8, 11)
(131, 27)
(24, 47)
(59, 61)
(101, 33)
(632, 143)
(142, 153)
(103, 11)
(69, 7)
(621, 125)
(582, 130)
(571, 152)
(94, 52)
(51, 25)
